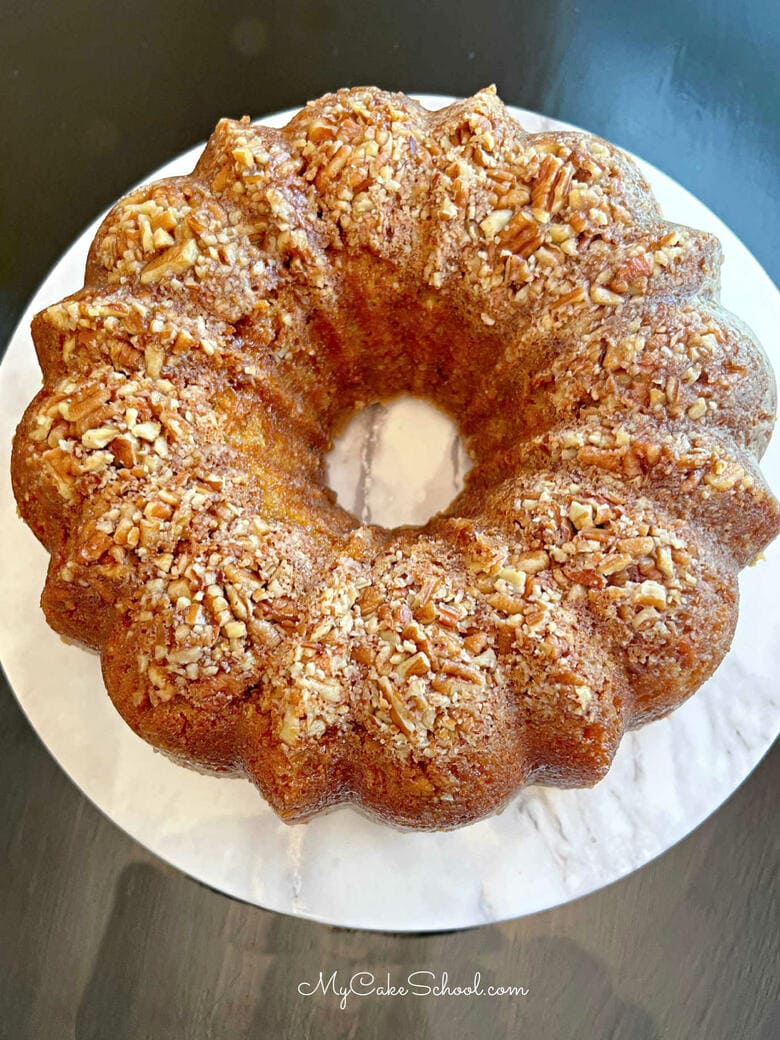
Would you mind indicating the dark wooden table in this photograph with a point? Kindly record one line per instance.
(98, 939)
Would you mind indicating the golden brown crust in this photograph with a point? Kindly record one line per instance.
(230, 320)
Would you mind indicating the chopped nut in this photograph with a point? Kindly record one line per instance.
(487, 659)
(123, 452)
(243, 157)
(515, 577)
(605, 297)
(99, 438)
(533, 562)
(581, 514)
(173, 261)
(147, 431)
(584, 695)
(156, 675)
(153, 359)
(161, 239)
(369, 600)
(636, 546)
(495, 222)
(164, 562)
(613, 564)
(645, 618)
(399, 713)
(187, 655)
(476, 642)
(417, 664)
(505, 604)
(156, 508)
(622, 354)
(724, 478)
(178, 590)
(449, 615)
(521, 236)
(664, 562)
(697, 409)
(650, 594)
(426, 612)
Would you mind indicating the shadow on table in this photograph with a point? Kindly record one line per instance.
(178, 961)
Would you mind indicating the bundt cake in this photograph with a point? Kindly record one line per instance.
(583, 582)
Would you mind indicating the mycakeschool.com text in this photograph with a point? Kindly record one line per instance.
(416, 984)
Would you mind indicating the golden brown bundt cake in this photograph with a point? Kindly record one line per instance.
(585, 580)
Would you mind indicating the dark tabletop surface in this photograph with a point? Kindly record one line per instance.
(97, 937)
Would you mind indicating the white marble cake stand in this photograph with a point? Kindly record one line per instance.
(546, 848)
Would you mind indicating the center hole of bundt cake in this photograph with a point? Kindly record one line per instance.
(398, 462)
